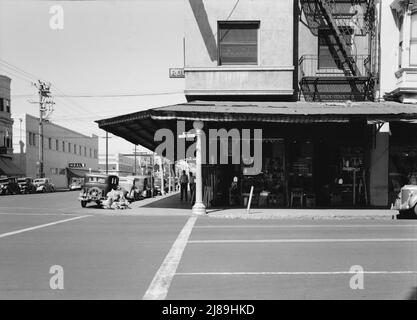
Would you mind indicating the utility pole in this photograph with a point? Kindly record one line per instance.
(44, 106)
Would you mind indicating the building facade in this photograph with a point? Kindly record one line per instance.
(67, 153)
(303, 73)
(6, 131)
(118, 164)
(398, 34)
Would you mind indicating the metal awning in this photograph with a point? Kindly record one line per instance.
(78, 173)
(139, 127)
(8, 168)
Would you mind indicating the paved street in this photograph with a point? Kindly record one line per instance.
(109, 254)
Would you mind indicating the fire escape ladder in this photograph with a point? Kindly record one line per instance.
(341, 51)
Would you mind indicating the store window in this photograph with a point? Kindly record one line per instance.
(269, 186)
(402, 168)
(7, 105)
(238, 42)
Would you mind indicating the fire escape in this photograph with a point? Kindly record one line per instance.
(341, 74)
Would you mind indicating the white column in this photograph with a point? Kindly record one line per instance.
(199, 207)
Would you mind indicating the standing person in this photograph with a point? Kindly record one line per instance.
(192, 188)
(184, 185)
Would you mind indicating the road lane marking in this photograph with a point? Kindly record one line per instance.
(304, 226)
(278, 273)
(304, 240)
(161, 282)
(37, 214)
(41, 226)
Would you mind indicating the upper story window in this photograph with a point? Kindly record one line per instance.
(328, 45)
(238, 42)
(2, 104)
(413, 40)
(56, 145)
(7, 104)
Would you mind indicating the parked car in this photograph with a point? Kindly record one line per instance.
(133, 186)
(96, 187)
(76, 184)
(9, 185)
(44, 185)
(406, 202)
(26, 185)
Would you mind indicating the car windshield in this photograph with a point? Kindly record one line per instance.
(4, 180)
(21, 180)
(39, 181)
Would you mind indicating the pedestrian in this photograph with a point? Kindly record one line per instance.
(192, 188)
(184, 185)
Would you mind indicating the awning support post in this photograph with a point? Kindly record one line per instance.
(199, 207)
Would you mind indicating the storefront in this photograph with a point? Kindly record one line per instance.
(303, 165)
(313, 154)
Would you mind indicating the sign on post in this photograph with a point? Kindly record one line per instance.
(176, 73)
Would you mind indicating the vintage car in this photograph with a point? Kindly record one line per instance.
(9, 186)
(44, 185)
(26, 185)
(407, 201)
(96, 187)
(76, 184)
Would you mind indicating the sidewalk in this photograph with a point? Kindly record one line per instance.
(172, 205)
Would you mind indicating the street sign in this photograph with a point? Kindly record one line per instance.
(76, 165)
(176, 73)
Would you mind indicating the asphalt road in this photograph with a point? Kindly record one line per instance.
(119, 256)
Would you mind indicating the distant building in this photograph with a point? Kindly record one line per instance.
(118, 164)
(67, 153)
(399, 50)
(7, 168)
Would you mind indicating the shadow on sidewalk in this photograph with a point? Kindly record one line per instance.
(171, 202)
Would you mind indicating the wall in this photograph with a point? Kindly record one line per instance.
(389, 48)
(274, 72)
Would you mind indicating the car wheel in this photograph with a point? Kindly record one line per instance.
(83, 204)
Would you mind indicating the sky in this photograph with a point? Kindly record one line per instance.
(112, 57)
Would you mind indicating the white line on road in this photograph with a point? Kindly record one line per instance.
(305, 226)
(37, 214)
(159, 286)
(304, 240)
(278, 273)
(40, 226)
